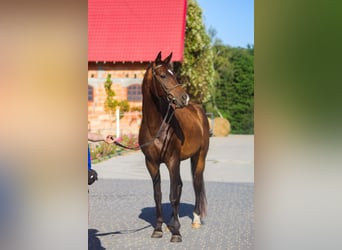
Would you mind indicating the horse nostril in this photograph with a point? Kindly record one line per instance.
(170, 97)
(186, 98)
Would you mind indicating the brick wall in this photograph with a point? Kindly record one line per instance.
(122, 75)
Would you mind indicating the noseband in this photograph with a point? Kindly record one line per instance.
(169, 96)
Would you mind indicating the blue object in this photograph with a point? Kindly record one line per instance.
(89, 159)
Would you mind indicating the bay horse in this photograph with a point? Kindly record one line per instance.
(173, 129)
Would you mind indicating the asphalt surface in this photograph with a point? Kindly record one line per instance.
(121, 204)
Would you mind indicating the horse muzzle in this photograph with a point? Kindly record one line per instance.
(180, 102)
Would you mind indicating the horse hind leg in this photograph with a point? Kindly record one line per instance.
(197, 169)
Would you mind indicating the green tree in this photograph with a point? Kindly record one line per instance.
(234, 84)
(111, 103)
(197, 71)
(223, 75)
(124, 106)
(241, 110)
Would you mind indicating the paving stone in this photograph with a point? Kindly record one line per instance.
(122, 209)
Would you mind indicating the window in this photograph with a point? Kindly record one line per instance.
(90, 93)
(134, 93)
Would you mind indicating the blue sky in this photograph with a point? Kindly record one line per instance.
(232, 19)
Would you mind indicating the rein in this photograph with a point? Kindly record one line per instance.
(165, 121)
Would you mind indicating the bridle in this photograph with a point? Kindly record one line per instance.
(169, 96)
(169, 113)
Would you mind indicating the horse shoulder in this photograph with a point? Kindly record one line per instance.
(200, 113)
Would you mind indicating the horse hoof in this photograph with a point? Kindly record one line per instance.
(157, 234)
(176, 238)
(196, 225)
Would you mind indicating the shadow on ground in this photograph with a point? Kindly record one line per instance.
(149, 213)
(94, 242)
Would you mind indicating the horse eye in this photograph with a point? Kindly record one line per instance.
(162, 75)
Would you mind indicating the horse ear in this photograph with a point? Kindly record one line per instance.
(158, 58)
(168, 59)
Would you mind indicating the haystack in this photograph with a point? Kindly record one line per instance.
(221, 127)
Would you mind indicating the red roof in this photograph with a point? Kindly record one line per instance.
(135, 30)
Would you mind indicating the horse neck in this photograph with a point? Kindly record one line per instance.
(152, 108)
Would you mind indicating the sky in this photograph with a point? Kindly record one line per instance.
(233, 20)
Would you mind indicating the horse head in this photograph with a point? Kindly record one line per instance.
(166, 84)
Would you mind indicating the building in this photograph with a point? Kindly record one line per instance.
(123, 38)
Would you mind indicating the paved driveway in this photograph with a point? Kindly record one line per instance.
(122, 207)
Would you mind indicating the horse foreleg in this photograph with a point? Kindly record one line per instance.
(175, 195)
(155, 175)
(197, 169)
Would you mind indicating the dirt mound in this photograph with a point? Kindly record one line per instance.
(221, 127)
